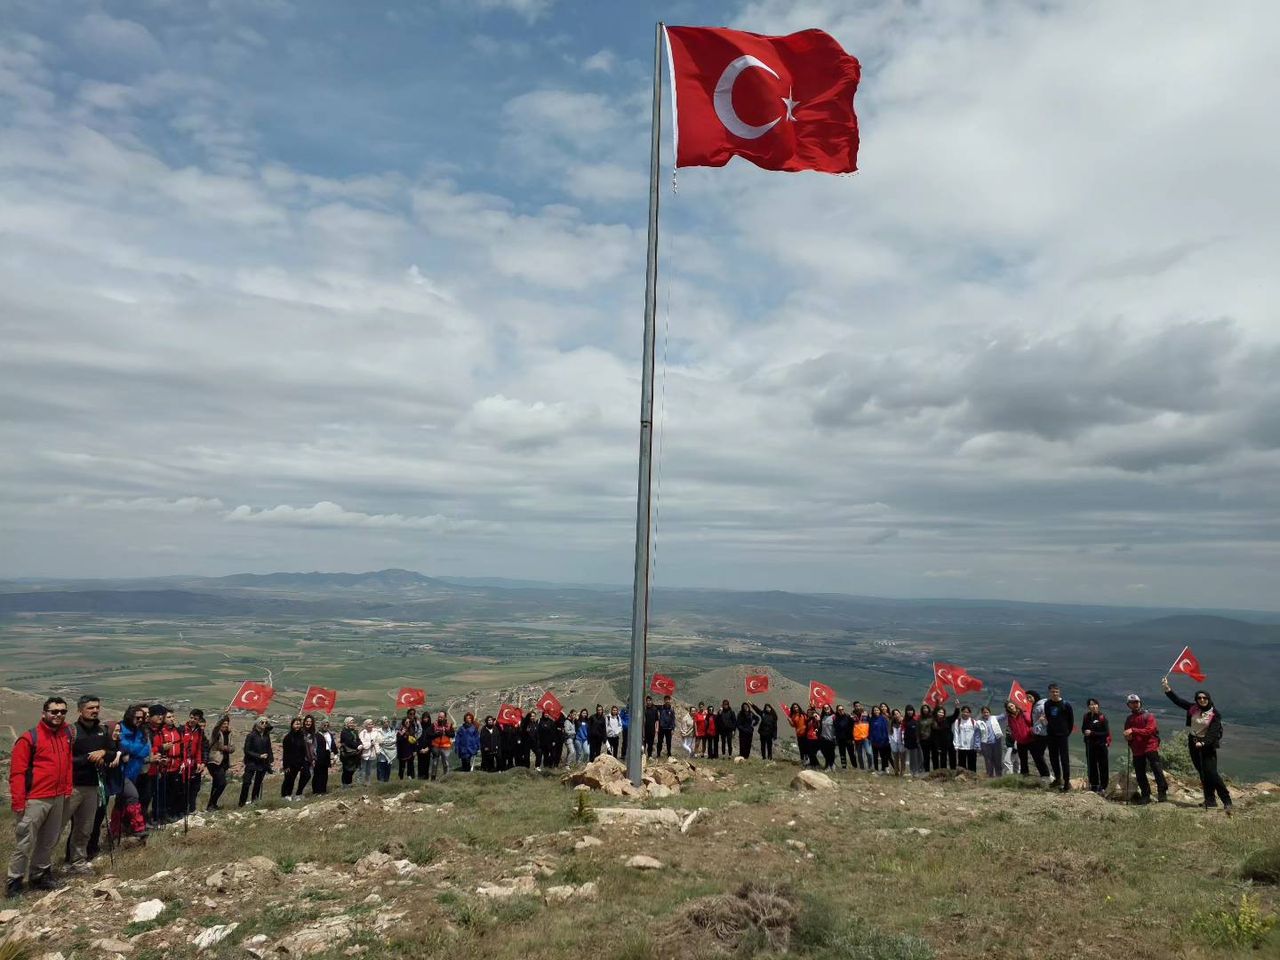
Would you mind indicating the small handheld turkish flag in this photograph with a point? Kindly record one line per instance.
(253, 696)
(759, 683)
(549, 705)
(820, 695)
(510, 716)
(784, 103)
(320, 699)
(663, 685)
(1188, 664)
(1019, 696)
(936, 694)
(410, 697)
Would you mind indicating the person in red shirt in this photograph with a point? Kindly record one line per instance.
(1143, 734)
(191, 758)
(700, 730)
(40, 788)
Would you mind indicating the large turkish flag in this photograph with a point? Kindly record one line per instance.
(784, 103)
(253, 696)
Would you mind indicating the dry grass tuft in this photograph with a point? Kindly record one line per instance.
(757, 915)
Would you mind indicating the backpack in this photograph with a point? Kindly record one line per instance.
(33, 733)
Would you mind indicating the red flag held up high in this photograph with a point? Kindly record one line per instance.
(936, 694)
(957, 678)
(758, 683)
(550, 705)
(253, 696)
(320, 700)
(1019, 696)
(410, 697)
(820, 695)
(1188, 664)
(510, 716)
(783, 103)
(663, 685)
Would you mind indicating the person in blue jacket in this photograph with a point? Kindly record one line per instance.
(127, 818)
(879, 738)
(467, 742)
(625, 714)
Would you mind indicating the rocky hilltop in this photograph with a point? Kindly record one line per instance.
(741, 859)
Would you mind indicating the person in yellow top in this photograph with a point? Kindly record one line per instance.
(441, 743)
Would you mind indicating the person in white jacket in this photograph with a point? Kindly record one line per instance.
(613, 731)
(964, 737)
(370, 749)
(990, 737)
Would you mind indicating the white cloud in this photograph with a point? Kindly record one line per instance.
(328, 514)
(602, 61)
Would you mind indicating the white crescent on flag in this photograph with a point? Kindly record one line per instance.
(723, 99)
(755, 685)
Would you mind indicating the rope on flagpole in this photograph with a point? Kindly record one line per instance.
(661, 424)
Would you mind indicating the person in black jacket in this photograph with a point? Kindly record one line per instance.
(596, 731)
(726, 724)
(92, 750)
(666, 725)
(747, 719)
(842, 726)
(1097, 746)
(297, 753)
(550, 734)
(1060, 721)
(490, 746)
(768, 731)
(650, 726)
(941, 742)
(349, 750)
(326, 746)
(258, 758)
(1204, 734)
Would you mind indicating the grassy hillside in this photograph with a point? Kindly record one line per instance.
(875, 869)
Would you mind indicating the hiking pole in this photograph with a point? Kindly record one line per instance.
(111, 847)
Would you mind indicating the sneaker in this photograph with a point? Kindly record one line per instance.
(44, 880)
(12, 887)
(1211, 805)
(1162, 796)
(1143, 800)
(1055, 785)
(1226, 808)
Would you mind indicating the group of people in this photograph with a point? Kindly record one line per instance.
(148, 769)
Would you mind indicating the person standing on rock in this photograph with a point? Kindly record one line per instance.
(613, 731)
(297, 754)
(92, 750)
(259, 755)
(40, 788)
(1143, 734)
(218, 761)
(326, 747)
(1060, 722)
(990, 739)
(746, 723)
(650, 726)
(1204, 734)
(687, 731)
(666, 725)
(726, 726)
(768, 731)
(468, 743)
(1097, 746)
(491, 745)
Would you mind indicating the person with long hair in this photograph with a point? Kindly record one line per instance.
(990, 740)
(879, 738)
(468, 743)
(964, 738)
(1204, 734)
(911, 741)
(258, 758)
(1039, 733)
(748, 717)
(1021, 735)
(768, 731)
(924, 732)
(1096, 732)
(297, 754)
(827, 736)
(326, 746)
(218, 762)
(897, 743)
(944, 750)
(128, 814)
(798, 724)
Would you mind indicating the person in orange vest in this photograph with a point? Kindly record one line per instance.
(40, 788)
(862, 739)
(441, 743)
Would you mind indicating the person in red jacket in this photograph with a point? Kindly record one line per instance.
(1143, 734)
(40, 788)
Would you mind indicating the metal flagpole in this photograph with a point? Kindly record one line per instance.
(640, 596)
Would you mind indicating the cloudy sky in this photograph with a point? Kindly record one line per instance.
(324, 285)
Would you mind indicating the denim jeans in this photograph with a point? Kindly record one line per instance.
(367, 767)
(384, 770)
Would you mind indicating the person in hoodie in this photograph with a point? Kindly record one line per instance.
(258, 755)
(1097, 746)
(726, 726)
(1204, 734)
(128, 815)
(842, 727)
(768, 731)
(467, 744)
(491, 745)
(1143, 736)
(1060, 722)
(613, 731)
(666, 725)
(746, 721)
(297, 754)
(92, 750)
(879, 737)
(964, 737)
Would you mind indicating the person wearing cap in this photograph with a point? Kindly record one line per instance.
(1204, 733)
(1143, 735)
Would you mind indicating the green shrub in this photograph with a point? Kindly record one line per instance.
(1246, 926)
(1013, 781)
(582, 812)
(516, 910)
(1262, 866)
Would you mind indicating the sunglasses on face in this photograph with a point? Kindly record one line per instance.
(57, 712)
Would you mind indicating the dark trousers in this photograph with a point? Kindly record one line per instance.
(489, 762)
(944, 755)
(664, 740)
(192, 791)
(1205, 760)
(300, 776)
(1060, 757)
(744, 743)
(626, 741)
(464, 763)
(594, 745)
(766, 747)
(613, 745)
(1022, 750)
(1097, 760)
(1140, 765)
(828, 750)
(406, 764)
(251, 785)
(349, 768)
(726, 743)
(1038, 746)
(926, 756)
(884, 756)
(146, 787)
(650, 737)
(846, 752)
(218, 780)
(424, 765)
(713, 747)
(320, 778)
(968, 760)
